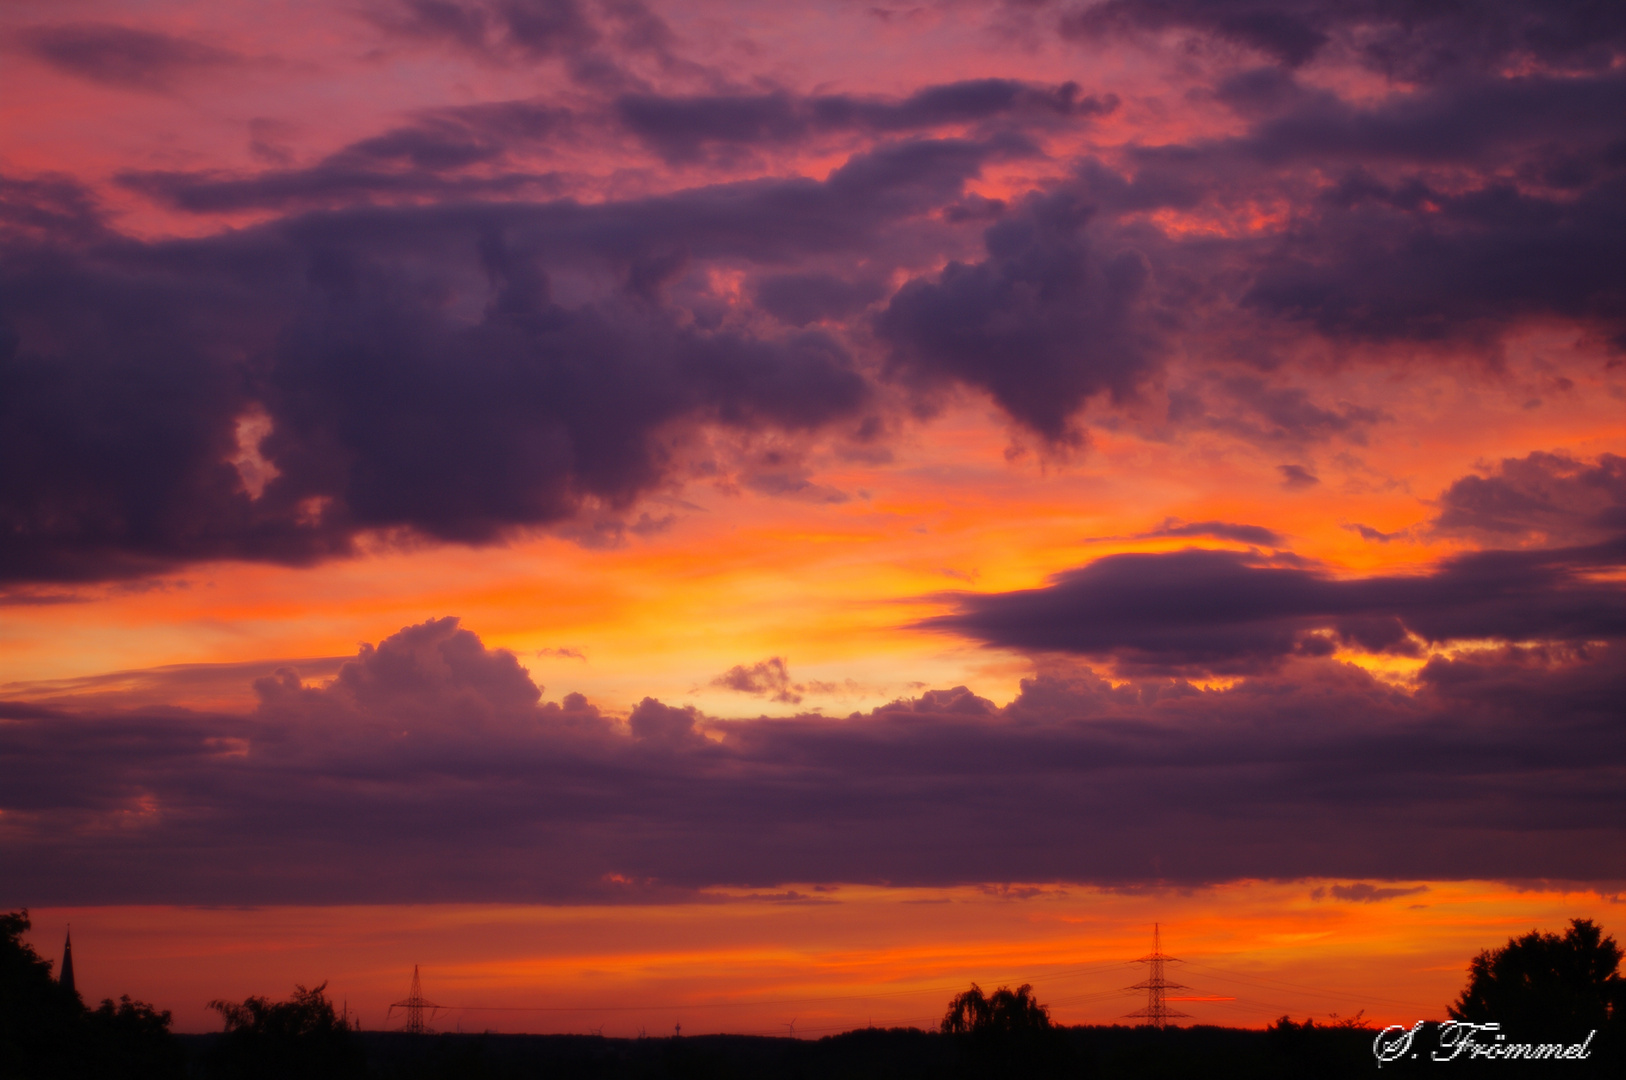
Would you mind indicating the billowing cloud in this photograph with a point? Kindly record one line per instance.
(430, 769)
(1047, 321)
(413, 370)
(1549, 497)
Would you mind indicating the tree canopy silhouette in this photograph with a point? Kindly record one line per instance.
(1547, 986)
(46, 1031)
(1006, 1011)
(38, 1018)
(303, 1036)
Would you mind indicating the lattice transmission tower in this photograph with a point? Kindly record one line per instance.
(1157, 1011)
(414, 1005)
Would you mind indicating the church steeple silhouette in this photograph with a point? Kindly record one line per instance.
(65, 980)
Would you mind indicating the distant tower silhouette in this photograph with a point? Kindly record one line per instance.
(1157, 1012)
(414, 1006)
(65, 979)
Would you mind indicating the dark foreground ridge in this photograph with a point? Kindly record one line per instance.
(1287, 1049)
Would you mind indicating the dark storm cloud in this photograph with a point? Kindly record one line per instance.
(415, 371)
(1289, 32)
(1381, 244)
(1228, 611)
(411, 366)
(1467, 263)
(591, 40)
(469, 151)
(121, 56)
(776, 221)
(1443, 211)
(799, 299)
(430, 769)
(1443, 125)
(680, 128)
(430, 157)
(958, 102)
(421, 369)
(1414, 42)
(531, 29)
(1047, 321)
(677, 128)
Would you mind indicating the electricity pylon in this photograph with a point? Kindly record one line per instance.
(414, 1006)
(1157, 1011)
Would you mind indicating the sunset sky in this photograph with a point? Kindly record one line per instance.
(750, 514)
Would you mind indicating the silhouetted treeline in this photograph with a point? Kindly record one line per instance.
(302, 1037)
(1539, 988)
(47, 1033)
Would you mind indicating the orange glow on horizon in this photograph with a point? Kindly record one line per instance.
(830, 960)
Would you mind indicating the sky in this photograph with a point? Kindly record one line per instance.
(750, 515)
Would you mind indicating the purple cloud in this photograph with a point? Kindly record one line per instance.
(1220, 530)
(122, 56)
(1552, 497)
(430, 769)
(409, 321)
(1297, 477)
(1430, 43)
(1049, 320)
(770, 677)
(1360, 892)
(1228, 611)
(682, 128)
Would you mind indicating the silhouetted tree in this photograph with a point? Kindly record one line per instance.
(39, 1020)
(1006, 1011)
(1543, 986)
(1004, 1034)
(45, 1030)
(301, 1037)
(132, 1039)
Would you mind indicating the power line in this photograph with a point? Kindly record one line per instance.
(1156, 986)
(658, 1007)
(1280, 984)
